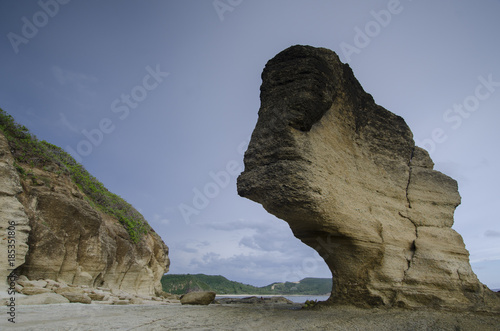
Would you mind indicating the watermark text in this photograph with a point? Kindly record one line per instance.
(223, 6)
(459, 112)
(120, 106)
(30, 27)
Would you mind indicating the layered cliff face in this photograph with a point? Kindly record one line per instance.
(347, 177)
(60, 235)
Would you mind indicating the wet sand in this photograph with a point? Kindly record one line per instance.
(237, 317)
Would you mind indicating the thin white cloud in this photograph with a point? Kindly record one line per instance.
(202, 244)
(66, 77)
(249, 242)
(485, 254)
(492, 234)
(190, 246)
(59, 75)
(82, 83)
(235, 225)
(160, 220)
(270, 240)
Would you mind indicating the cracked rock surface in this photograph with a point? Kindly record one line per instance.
(347, 177)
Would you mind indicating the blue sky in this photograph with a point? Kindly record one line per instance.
(158, 100)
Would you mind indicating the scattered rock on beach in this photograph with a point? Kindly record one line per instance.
(136, 301)
(96, 296)
(72, 290)
(198, 298)
(42, 299)
(77, 297)
(60, 292)
(29, 290)
(169, 296)
(255, 300)
(121, 302)
(51, 284)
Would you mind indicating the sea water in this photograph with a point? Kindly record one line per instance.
(294, 298)
(304, 298)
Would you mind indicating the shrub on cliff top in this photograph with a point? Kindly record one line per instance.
(28, 150)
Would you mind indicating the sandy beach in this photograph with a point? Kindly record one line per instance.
(237, 317)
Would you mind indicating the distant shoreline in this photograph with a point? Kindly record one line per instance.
(272, 295)
(295, 298)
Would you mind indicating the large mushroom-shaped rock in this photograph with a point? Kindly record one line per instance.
(347, 177)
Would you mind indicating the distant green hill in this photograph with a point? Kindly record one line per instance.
(181, 284)
(307, 286)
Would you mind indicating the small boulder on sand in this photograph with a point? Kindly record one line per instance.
(29, 290)
(198, 298)
(121, 302)
(77, 297)
(95, 296)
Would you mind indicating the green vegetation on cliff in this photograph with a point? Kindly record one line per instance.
(181, 284)
(33, 153)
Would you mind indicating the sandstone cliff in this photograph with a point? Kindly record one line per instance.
(62, 235)
(347, 177)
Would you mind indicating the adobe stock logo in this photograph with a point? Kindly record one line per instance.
(30, 28)
(460, 111)
(119, 106)
(363, 37)
(223, 6)
(218, 181)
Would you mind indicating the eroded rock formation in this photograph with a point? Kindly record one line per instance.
(68, 240)
(347, 177)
